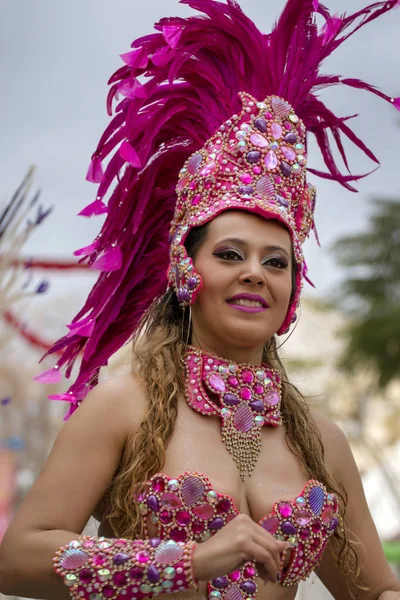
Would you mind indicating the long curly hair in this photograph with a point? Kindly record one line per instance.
(158, 347)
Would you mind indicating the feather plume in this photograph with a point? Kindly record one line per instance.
(177, 86)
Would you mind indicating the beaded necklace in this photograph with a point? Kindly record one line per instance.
(244, 396)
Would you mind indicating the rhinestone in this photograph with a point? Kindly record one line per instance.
(294, 118)
(258, 140)
(104, 574)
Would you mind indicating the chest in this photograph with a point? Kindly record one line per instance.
(196, 445)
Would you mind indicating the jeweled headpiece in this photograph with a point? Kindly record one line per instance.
(212, 115)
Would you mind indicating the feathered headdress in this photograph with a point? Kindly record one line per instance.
(176, 89)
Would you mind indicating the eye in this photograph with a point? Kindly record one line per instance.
(231, 255)
(276, 262)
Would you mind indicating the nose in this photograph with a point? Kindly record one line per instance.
(252, 273)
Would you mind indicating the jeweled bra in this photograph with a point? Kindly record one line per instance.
(188, 508)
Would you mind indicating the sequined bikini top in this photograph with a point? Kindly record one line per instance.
(188, 508)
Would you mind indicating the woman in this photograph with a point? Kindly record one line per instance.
(208, 472)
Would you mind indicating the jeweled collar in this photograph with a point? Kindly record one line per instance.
(245, 396)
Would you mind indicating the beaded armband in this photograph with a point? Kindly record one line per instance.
(95, 568)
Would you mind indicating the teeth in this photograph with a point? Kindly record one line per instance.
(243, 302)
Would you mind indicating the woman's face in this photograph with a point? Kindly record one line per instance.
(245, 263)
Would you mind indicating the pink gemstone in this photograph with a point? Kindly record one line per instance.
(304, 534)
(258, 388)
(316, 527)
(271, 160)
(245, 393)
(178, 535)
(182, 183)
(285, 509)
(168, 552)
(86, 575)
(258, 140)
(193, 185)
(196, 199)
(120, 579)
(158, 484)
(170, 500)
(276, 130)
(278, 179)
(280, 107)
(271, 525)
(272, 398)
(246, 178)
(192, 490)
(165, 517)
(217, 383)
(235, 576)
(247, 376)
(205, 511)
(302, 517)
(230, 517)
(265, 187)
(288, 126)
(142, 556)
(223, 506)
(73, 558)
(243, 419)
(233, 381)
(99, 559)
(183, 518)
(208, 169)
(233, 593)
(136, 573)
(198, 527)
(288, 152)
(268, 116)
(257, 170)
(194, 163)
(108, 591)
(209, 182)
(249, 571)
(327, 515)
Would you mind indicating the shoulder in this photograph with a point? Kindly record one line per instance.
(120, 401)
(337, 450)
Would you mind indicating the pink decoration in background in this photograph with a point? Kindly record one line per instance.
(50, 376)
(94, 209)
(130, 154)
(172, 35)
(95, 171)
(109, 261)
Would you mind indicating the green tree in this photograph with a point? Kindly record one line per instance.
(371, 293)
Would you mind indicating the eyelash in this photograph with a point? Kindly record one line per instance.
(226, 253)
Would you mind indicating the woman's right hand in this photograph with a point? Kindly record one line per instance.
(241, 540)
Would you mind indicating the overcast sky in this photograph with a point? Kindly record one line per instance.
(56, 57)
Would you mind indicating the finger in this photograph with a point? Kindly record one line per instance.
(273, 546)
(267, 560)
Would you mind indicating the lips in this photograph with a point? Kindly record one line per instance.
(249, 300)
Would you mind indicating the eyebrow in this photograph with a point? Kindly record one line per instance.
(240, 242)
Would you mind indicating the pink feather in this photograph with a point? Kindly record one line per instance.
(87, 250)
(172, 35)
(95, 171)
(110, 260)
(130, 154)
(50, 376)
(94, 209)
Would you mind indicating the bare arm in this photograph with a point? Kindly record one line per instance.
(376, 573)
(78, 471)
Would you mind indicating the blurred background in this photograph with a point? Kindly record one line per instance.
(345, 352)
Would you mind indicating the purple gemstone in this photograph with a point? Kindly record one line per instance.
(290, 138)
(246, 189)
(257, 405)
(281, 200)
(216, 524)
(152, 503)
(286, 169)
(288, 528)
(231, 399)
(155, 542)
(261, 125)
(249, 587)
(253, 156)
(136, 573)
(183, 294)
(108, 591)
(192, 283)
(121, 558)
(220, 582)
(316, 499)
(334, 524)
(153, 574)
